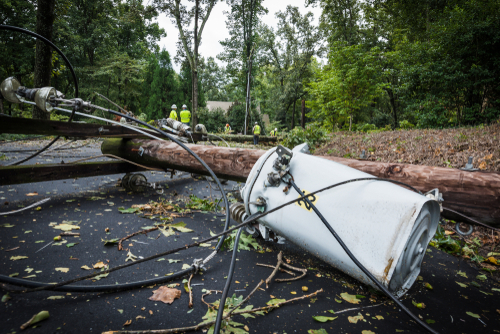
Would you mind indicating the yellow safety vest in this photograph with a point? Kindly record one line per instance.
(228, 129)
(256, 130)
(185, 116)
(173, 115)
(273, 133)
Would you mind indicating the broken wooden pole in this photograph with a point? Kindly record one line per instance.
(228, 163)
(476, 194)
(243, 138)
(51, 172)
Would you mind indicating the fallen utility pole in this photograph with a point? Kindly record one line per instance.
(243, 138)
(17, 125)
(52, 172)
(476, 194)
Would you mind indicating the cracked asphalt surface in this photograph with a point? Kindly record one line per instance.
(447, 303)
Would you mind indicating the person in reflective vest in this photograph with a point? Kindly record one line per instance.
(173, 113)
(185, 115)
(256, 133)
(274, 132)
(227, 129)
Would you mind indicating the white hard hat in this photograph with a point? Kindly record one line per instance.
(275, 129)
(184, 106)
(174, 106)
(255, 122)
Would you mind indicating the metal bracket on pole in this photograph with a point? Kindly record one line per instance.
(469, 166)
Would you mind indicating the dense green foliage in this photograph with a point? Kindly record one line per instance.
(368, 65)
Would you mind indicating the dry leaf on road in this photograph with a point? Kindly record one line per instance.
(165, 294)
(32, 194)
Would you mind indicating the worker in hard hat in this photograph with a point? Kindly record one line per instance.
(173, 113)
(274, 132)
(185, 115)
(256, 133)
(227, 129)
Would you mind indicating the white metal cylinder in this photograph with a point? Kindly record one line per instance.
(385, 226)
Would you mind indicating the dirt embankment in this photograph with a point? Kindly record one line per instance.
(443, 148)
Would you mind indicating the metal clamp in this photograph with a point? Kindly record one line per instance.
(469, 166)
(459, 231)
(198, 264)
(141, 151)
(102, 129)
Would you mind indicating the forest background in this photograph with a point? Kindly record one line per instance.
(368, 65)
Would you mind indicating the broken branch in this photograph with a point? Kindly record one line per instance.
(133, 234)
(210, 323)
(280, 269)
(190, 291)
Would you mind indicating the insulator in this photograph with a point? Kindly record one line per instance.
(237, 211)
(42, 97)
(9, 88)
(179, 126)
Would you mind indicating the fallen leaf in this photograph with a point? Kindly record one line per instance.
(320, 318)
(98, 265)
(98, 277)
(72, 244)
(481, 277)
(275, 301)
(305, 288)
(165, 294)
(349, 298)
(483, 165)
(55, 297)
(120, 310)
(473, 315)
(430, 321)
(379, 317)
(20, 257)
(491, 259)
(317, 331)
(495, 289)
(150, 312)
(367, 332)
(63, 270)
(293, 292)
(66, 227)
(462, 284)
(180, 226)
(204, 245)
(493, 254)
(139, 317)
(86, 267)
(32, 194)
(6, 297)
(14, 275)
(128, 322)
(36, 318)
(130, 257)
(355, 319)
(428, 286)
(171, 261)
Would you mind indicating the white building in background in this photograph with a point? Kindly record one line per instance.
(211, 105)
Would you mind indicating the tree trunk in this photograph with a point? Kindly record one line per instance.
(303, 113)
(194, 106)
(43, 63)
(350, 122)
(393, 105)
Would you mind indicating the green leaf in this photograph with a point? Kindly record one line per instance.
(173, 261)
(349, 298)
(6, 297)
(317, 331)
(20, 257)
(98, 277)
(55, 297)
(495, 289)
(474, 315)
(275, 301)
(477, 285)
(36, 318)
(120, 310)
(461, 273)
(462, 284)
(110, 241)
(72, 244)
(481, 277)
(320, 318)
(180, 226)
(14, 275)
(129, 210)
(430, 321)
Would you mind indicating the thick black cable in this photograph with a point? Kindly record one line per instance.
(250, 219)
(355, 260)
(212, 174)
(222, 303)
(97, 288)
(66, 60)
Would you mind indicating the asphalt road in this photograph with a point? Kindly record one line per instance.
(27, 232)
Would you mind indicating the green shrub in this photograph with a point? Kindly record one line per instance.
(313, 135)
(405, 125)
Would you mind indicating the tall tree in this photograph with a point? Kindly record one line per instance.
(290, 51)
(43, 65)
(183, 17)
(240, 49)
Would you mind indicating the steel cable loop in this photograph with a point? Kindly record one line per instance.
(66, 60)
(355, 260)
